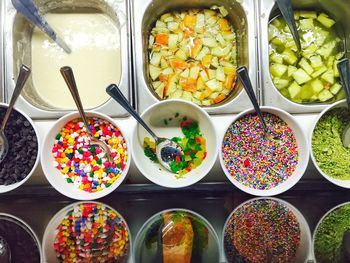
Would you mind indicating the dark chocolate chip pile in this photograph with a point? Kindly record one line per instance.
(23, 148)
(22, 244)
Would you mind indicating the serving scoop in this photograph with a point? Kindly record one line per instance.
(344, 73)
(5, 252)
(166, 150)
(24, 73)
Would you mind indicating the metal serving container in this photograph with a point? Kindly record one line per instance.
(241, 15)
(338, 9)
(1, 53)
(17, 46)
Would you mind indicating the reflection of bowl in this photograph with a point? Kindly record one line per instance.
(231, 253)
(22, 240)
(332, 234)
(285, 184)
(156, 116)
(175, 234)
(342, 183)
(57, 179)
(6, 188)
(82, 221)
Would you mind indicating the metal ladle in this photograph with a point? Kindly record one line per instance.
(344, 73)
(166, 150)
(243, 76)
(5, 251)
(24, 73)
(285, 6)
(68, 76)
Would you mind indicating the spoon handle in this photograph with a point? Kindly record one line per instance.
(344, 73)
(243, 76)
(23, 75)
(68, 76)
(116, 94)
(285, 6)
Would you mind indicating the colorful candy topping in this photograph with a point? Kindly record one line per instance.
(254, 160)
(193, 56)
(193, 145)
(85, 165)
(91, 233)
(262, 231)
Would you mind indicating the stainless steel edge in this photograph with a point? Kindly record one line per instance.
(2, 87)
(120, 8)
(144, 96)
(271, 96)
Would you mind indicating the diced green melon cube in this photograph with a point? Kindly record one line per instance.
(285, 92)
(319, 71)
(203, 75)
(194, 71)
(273, 32)
(200, 22)
(220, 52)
(214, 61)
(277, 23)
(289, 56)
(155, 59)
(308, 14)
(167, 71)
(301, 76)
(306, 66)
(185, 73)
(172, 40)
(160, 90)
(335, 69)
(278, 41)
(210, 42)
(296, 15)
(321, 36)
(325, 95)
(294, 90)
(306, 92)
(277, 58)
(328, 76)
(220, 75)
(316, 61)
(339, 55)
(335, 88)
(325, 20)
(213, 84)
(330, 61)
(327, 49)
(291, 70)
(340, 95)
(173, 26)
(181, 54)
(316, 85)
(309, 50)
(154, 72)
(204, 51)
(221, 40)
(212, 74)
(277, 70)
(306, 24)
(280, 83)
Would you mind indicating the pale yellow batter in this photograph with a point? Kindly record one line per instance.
(95, 59)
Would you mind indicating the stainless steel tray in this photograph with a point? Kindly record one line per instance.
(17, 36)
(340, 9)
(2, 20)
(146, 12)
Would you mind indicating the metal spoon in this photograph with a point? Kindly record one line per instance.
(68, 76)
(344, 73)
(285, 6)
(166, 150)
(30, 11)
(243, 76)
(5, 251)
(24, 73)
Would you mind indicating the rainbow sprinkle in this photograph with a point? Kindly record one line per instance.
(91, 233)
(85, 165)
(255, 161)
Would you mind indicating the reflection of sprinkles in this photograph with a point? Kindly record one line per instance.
(255, 161)
(262, 231)
(91, 233)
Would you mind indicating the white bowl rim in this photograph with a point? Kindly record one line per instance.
(69, 208)
(258, 192)
(210, 121)
(215, 235)
(95, 195)
(14, 186)
(291, 207)
(320, 221)
(329, 178)
(28, 228)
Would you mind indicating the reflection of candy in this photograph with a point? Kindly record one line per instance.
(262, 231)
(252, 159)
(91, 233)
(85, 165)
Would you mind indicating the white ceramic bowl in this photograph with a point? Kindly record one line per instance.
(303, 252)
(303, 151)
(7, 188)
(154, 116)
(55, 177)
(320, 221)
(209, 253)
(25, 227)
(50, 234)
(342, 183)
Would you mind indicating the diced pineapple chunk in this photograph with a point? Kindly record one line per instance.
(194, 71)
(154, 72)
(167, 71)
(173, 26)
(155, 59)
(203, 75)
(220, 75)
(214, 85)
(220, 52)
(180, 54)
(210, 42)
(160, 90)
(204, 51)
(200, 23)
(172, 40)
(214, 61)
(185, 73)
(212, 74)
